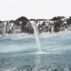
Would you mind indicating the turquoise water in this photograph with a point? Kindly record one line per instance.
(20, 53)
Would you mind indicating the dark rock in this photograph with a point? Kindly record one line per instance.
(57, 18)
(24, 25)
(69, 21)
(57, 26)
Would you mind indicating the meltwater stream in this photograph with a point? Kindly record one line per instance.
(18, 54)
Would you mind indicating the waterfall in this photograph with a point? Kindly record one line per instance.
(38, 54)
(36, 34)
(4, 29)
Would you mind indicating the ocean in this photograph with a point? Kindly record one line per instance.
(20, 54)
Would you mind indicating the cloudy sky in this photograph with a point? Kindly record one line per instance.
(12, 9)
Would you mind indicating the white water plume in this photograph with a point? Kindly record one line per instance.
(36, 33)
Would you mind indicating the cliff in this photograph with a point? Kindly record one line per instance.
(23, 25)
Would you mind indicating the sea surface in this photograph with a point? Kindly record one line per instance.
(22, 54)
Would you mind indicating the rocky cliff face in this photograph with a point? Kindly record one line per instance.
(55, 24)
(23, 25)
